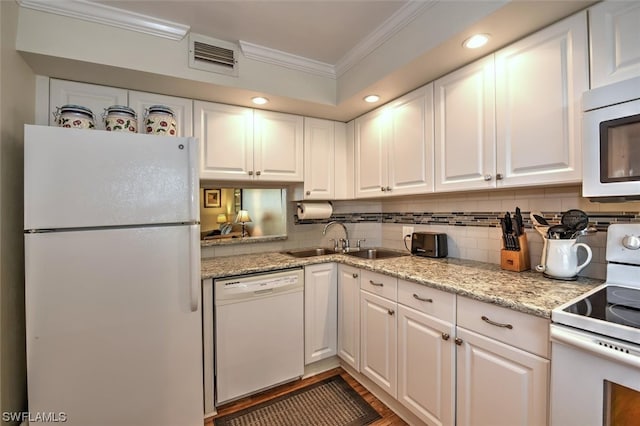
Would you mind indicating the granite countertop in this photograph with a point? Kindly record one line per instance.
(528, 292)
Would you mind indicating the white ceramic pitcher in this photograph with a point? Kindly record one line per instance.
(562, 258)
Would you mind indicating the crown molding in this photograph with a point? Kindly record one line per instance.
(384, 32)
(288, 60)
(107, 15)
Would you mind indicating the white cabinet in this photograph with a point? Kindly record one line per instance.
(426, 352)
(328, 160)
(531, 134)
(502, 379)
(349, 315)
(242, 144)
(394, 147)
(182, 109)
(614, 30)
(378, 331)
(96, 98)
(465, 128)
(320, 311)
(539, 86)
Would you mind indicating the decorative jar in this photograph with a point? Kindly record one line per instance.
(74, 116)
(120, 118)
(160, 120)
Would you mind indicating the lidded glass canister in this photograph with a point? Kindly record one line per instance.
(120, 118)
(160, 120)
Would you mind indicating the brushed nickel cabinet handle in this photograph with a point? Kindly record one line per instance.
(499, 176)
(308, 192)
(382, 188)
(388, 188)
(391, 311)
(445, 336)
(258, 173)
(355, 275)
(497, 324)
(250, 172)
(422, 299)
(487, 178)
(458, 341)
(376, 284)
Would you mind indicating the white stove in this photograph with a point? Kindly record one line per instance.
(595, 342)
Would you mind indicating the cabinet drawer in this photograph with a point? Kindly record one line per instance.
(437, 303)
(382, 285)
(523, 331)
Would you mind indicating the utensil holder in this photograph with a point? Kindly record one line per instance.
(517, 261)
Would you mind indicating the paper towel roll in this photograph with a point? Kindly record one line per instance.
(314, 210)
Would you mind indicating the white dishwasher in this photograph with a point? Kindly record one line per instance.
(259, 332)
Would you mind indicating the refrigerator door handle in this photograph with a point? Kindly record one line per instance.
(194, 256)
(194, 178)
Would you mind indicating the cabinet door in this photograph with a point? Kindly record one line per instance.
(181, 107)
(539, 86)
(378, 341)
(96, 98)
(349, 315)
(320, 311)
(615, 42)
(278, 146)
(371, 135)
(426, 366)
(498, 384)
(410, 150)
(319, 159)
(465, 128)
(226, 140)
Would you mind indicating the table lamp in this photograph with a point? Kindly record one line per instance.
(243, 217)
(221, 219)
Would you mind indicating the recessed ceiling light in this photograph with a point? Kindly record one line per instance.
(475, 41)
(259, 100)
(371, 98)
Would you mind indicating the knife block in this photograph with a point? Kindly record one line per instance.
(517, 261)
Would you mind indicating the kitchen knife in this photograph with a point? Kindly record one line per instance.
(518, 226)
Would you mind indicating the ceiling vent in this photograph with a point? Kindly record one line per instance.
(212, 55)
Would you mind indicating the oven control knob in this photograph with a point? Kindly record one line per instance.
(631, 242)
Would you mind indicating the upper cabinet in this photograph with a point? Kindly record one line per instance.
(539, 86)
(465, 128)
(96, 98)
(243, 144)
(614, 28)
(531, 134)
(394, 147)
(182, 109)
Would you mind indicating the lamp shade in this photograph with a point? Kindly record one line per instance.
(243, 216)
(222, 218)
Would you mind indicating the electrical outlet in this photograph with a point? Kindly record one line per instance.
(407, 230)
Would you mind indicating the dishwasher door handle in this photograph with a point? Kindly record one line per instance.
(265, 291)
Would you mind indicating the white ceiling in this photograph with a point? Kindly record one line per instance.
(323, 30)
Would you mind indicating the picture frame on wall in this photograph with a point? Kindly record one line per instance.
(212, 198)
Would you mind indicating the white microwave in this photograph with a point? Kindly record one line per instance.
(611, 142)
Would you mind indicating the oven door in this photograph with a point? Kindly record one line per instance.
(611, 151)
(594, 380)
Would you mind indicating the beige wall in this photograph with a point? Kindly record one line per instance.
(17, 105)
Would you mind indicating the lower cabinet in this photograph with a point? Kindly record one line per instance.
(320, 312)
(349, 315)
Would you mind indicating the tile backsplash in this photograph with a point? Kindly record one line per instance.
(470, 220)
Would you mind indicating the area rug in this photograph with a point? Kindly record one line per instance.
(331, 402)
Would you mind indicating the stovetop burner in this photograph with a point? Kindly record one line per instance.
(620, 305)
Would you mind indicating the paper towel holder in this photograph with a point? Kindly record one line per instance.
(300, 206)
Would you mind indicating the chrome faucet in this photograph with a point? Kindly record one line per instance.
(345, 240)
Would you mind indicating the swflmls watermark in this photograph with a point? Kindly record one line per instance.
(37, 417)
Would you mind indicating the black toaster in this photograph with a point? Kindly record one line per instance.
(429, 244)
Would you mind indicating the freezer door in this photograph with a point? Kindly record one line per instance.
(77, 178)
(112, 334)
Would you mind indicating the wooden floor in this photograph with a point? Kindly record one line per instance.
(389, 418)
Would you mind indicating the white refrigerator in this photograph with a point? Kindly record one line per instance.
(112, 266)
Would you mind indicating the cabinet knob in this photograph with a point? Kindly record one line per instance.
(458, 341)
(388, 188)
(391, 311)
(250, 172)
(445, 336)
(308, 192)
(487, 178)
(383, 189)
(355, 275)
(258, 173)
(499, 176)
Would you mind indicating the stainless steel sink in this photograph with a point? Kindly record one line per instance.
(320, 251)
(376, 253)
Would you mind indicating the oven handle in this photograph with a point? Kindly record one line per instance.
(589, 343)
